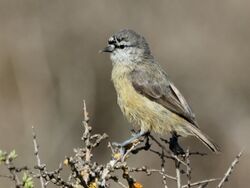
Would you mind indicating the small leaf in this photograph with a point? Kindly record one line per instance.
(12, 155)
(27, 181)
(3, 155)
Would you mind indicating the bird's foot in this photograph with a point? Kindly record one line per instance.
(174, 145)
(120, 148)
(124, 146)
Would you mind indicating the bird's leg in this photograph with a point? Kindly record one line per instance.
(174, 146)
(131, 140)
(146, 146)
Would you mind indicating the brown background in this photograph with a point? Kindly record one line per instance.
(49, 63)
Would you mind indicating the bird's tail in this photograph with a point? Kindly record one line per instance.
(203, 138)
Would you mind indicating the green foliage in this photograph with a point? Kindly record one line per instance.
(27, 181)
(12, 155)
(3, 156)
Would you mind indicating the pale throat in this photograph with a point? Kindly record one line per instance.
(126, 57)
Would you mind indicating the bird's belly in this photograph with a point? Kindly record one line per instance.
(144, 113)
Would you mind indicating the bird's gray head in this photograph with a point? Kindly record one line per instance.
(127, 46)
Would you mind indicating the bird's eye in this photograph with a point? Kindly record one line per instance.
(122, 46)
(111, 42)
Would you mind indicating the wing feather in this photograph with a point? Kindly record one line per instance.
(159, 89)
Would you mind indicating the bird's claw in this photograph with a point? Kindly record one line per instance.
(121, 148)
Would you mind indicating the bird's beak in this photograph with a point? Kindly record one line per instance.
(109, 48)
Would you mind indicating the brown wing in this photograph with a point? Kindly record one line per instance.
(151, 82)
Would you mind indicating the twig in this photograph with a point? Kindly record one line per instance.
(149, 171)
(121, 184)
(188, 172)
(113, 163)
(134, 144)
(86, 173)
(37, 157)
(164, 178)
(198, 183)
(146, 146)
(203, 186)
(116, 179)
(170, 156)
(13, 171)
(5, 176)
(230, 170)
(197, 153)
(178, 173)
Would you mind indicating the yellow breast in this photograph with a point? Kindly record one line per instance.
(139, 110)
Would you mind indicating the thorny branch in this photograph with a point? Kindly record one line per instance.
(86, 173)
(37, 158)
(201, 183)
(230, 170)
(188, 171)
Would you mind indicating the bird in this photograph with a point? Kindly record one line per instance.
(145, 94)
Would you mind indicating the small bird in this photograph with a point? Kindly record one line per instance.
(146, 96)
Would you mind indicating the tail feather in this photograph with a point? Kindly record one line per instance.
(203, 138)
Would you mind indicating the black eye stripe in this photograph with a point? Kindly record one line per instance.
(115, 41)
(122, 46)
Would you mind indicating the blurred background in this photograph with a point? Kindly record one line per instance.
(49, 63)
